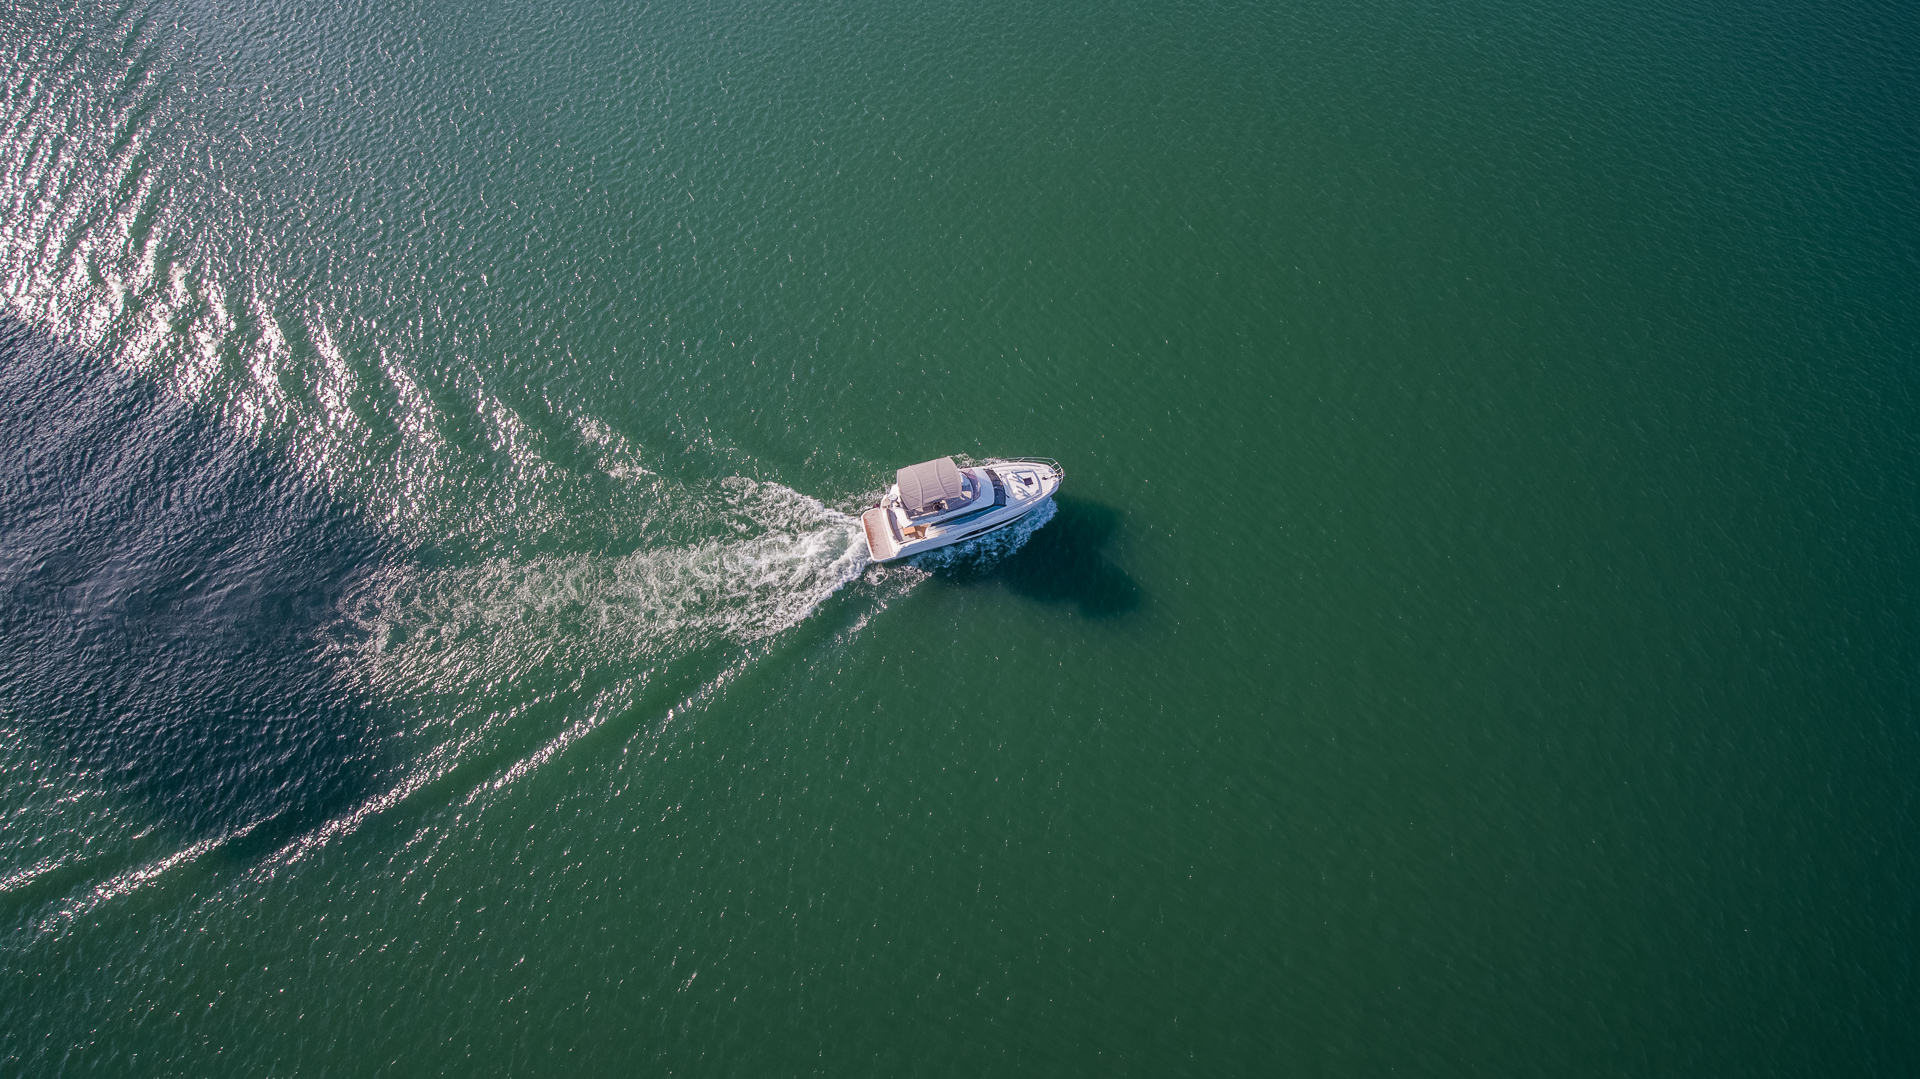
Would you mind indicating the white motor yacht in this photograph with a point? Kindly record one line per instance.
(937, 503)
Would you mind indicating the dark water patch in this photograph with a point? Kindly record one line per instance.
(165, 587)
(1063, 562)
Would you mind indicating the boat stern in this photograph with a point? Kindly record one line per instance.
(882, 542)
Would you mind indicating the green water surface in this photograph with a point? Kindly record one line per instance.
(1476, 637)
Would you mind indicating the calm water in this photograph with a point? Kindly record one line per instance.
(1477, 636)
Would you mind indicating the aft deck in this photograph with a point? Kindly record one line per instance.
(882, 541)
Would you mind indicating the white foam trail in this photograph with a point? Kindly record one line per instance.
(437, 633)
(442, 630)
(451, 630)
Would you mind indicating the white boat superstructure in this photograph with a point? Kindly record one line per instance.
(936, 503)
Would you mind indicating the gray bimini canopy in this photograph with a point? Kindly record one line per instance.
(924, 484)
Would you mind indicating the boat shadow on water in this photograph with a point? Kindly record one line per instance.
(166, 586)
(1063, 562)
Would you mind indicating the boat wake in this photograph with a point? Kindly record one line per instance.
(561, 625)
(554, 578)
(439, 631)
(462, 653)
